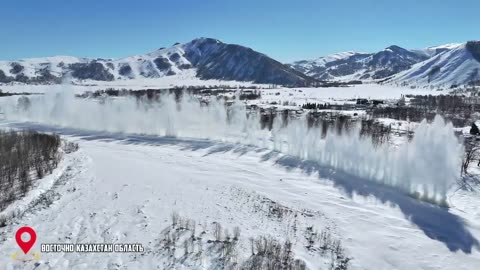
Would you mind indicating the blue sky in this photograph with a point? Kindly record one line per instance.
(286, 30)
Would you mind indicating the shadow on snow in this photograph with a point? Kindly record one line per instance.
(436, 222)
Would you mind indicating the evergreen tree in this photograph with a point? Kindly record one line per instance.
(474, 129)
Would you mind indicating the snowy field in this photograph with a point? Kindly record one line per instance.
(138, 165)
(124, 188)
(187, 78)
(334, 95)
(373, 91)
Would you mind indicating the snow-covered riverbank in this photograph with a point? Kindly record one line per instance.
(125, 188)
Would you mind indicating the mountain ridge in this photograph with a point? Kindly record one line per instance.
(361, 66)
(395, 64)
(208, 58)
(459, 65)
(211, 59)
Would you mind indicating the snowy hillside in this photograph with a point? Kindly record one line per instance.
(308, 66)
(207, 58)
(210, 59)
(449, 64)
(455, 66)
(434, 50)
(360, 66)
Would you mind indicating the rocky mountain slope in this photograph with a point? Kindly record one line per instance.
(434, 50)
(360, 66)
(208, 58)
(457, 65)
(450, 64)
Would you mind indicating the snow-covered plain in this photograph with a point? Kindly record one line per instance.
(186, 78)
(123, 187)
(297, 95)
(339, 95)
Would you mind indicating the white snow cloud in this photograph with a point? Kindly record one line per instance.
(427, 165)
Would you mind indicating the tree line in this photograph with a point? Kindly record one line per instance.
(328, 122)
(454, 108)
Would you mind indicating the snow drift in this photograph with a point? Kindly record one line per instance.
(426, 166)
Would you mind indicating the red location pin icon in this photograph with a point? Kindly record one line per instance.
(25, 246)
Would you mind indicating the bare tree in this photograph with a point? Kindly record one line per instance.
(21, 154)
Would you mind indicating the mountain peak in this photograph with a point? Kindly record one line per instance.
(203, 58)
(336, 56)
(205, 40)
(360, 66)
(395, 48)
(447, 46)
(451, 64)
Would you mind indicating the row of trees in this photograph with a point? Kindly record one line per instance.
(454, 108)
(249, 95)
(328, 122)
(313, 106)
(441, 103)
(24, 157)
(416, 114)
(472, 154)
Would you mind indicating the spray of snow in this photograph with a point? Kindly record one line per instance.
(426, 166)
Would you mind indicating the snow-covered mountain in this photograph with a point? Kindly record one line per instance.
(205, 58)
(449, 64)
(306, 66)
(457, 65)
(434, 50)
(360, 66)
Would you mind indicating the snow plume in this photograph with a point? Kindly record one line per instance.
(425, 167)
